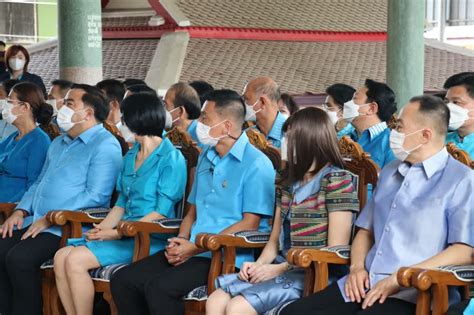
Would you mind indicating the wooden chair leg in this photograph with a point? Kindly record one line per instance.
(108, 297)
(46, 294)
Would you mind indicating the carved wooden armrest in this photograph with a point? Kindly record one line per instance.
(316, 263)
(243, 239)
(141, 232)
(133, 228)
(6, 209)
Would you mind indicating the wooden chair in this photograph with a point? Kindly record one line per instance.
(432, 285)
(316, 261)
(6, 210)
(116, 133)
(392, 122)
(257, 139)
(72, 222)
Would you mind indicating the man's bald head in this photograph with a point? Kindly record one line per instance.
(264, 86)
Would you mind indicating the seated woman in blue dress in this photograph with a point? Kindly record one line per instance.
(316, 202)
(151, 184)
(23, 153)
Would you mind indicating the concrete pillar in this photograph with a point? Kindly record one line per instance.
(80, 40)
(405, 48)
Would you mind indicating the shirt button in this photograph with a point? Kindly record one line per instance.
(372, 275)
(387, 229)
(406, 184)
(379, 252)
(207, 206)
(394, 206)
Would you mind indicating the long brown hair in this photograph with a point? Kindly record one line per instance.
(312, 140)
(42, 112)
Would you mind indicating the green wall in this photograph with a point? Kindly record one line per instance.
(48, 19)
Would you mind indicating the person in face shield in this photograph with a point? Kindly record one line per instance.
(17, 59)
(261, 96)
(460, 100)
(6, 129)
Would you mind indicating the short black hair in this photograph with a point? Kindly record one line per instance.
(228, 103)
(114, 89)
(95, 99)
(9, 84)
(63, 84)
(144, 114)
(434, 109)
(202, 88)
(141, 88)
(384, 96)
(340, 93)
(457, 79)
(289, 102)
(129, 82)
(2, 43)
(468, 83)
(187, 97)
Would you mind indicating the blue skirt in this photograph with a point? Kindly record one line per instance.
(115, 251)
(265, 295)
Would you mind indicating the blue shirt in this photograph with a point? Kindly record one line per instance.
(276, 133)
(21, 162)
(192, 131)
(158, 185)
(348, 130)
(243, 181)
(416, 212)
(466, 143)
(376, 141)
(78, 173)
(6, 129)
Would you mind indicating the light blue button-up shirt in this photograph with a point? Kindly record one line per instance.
(416, 212)
(192, 131)
(276, 133)
(78, 173)
(376, 141)
(466, 143)
(243, 181)
(158, 185)
(348, 130)
(21, 162)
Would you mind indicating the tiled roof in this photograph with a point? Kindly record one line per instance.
(125, 21)
(324, 15)
(121, 59)
(301, 67)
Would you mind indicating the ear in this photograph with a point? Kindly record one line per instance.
(264, 101)
(26, 107)
(228, 126)
(374, 107)
(182, 112)
(427, 135)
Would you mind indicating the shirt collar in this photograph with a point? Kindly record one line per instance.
(377, 129)
(430, 165)
(236, 151)
(311, 187)
(192, 125)
(275, 132)
(86, 136)
(468, 138)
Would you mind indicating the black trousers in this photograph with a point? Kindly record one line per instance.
(458, 309)
(20, 274)
(152, 286)
(331, 302)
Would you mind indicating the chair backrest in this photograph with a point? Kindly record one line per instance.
(257, 139)
(359, 163)
(116, 133)
(392, 122)
(183, 142)
(52, 130)
(460, 155)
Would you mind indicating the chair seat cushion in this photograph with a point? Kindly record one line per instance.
(343, 251)
(254, 236)
(48, 264)
(96, 213)
(277, 310)
(169, 223)
(462, 273)
(198, 294)
(105, 273)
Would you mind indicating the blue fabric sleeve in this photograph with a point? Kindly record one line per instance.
(259, 188)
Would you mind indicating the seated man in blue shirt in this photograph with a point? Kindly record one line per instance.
(368, 111)
(233, 191)
(421, 215)
(80, 171)
(184, 106)
(261, 96)
(460, 96)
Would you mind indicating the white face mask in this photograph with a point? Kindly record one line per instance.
(64, 118)
(333, 117)
(3, 102)
(168, 120)
(16, 64)
(53, 103)
(250, 114)
(7, 114)
(458, 115)
(127, 134)
(351, 110)
(171, 117)
(202, 132)
(397, 139)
